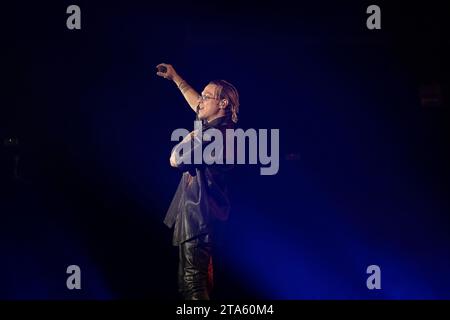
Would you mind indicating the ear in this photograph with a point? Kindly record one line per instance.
(223, 103)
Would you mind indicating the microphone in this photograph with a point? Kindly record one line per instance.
(162, 69)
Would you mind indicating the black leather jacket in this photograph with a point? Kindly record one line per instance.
(201, 197)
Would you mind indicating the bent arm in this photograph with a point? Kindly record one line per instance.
(181, 159)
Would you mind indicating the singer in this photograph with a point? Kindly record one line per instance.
(201, 199)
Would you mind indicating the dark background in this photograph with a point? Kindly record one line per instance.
(363, 115)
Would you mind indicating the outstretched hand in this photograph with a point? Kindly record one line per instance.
(166, 71)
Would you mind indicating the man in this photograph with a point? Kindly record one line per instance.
(201, 199)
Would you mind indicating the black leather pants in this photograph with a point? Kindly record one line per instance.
(195, 268)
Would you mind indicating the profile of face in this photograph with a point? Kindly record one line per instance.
(210, 106)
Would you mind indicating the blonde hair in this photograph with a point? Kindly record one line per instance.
(226, 90)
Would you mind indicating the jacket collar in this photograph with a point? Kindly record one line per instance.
(218, 122)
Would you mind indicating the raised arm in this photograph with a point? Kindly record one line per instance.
(192, 97)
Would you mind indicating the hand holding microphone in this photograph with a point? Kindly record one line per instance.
(166, 71)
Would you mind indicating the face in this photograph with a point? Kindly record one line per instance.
(209, 107)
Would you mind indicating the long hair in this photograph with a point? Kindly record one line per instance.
(226, 90)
